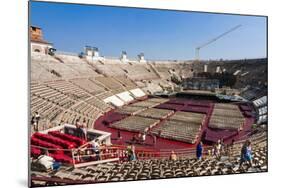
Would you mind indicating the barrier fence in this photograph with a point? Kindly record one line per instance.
(88, 155)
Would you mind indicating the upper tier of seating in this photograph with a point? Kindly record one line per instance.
(139, 71)
(69, 88)
(109, 69)
(89, 86)
(109, 82)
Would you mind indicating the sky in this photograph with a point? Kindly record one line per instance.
(159, 34)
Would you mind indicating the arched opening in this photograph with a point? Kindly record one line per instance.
(36, 50)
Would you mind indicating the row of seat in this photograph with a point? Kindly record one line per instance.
(88, 85)
(125, 81)
(61, 69)
(86, 109)
(69, 89)
(195, 109)
(71, 138)
(178, 130)
(155, 113)
(66, 144)
(109, 82)
(71, 116)
(135, 123)
(76, 63)
(98, 103)
(41, 143)
(131, 110)
(226, 116)
(188, 117)
(138, 72)
(51, 95)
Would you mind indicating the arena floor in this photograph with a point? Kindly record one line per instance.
(103, 123)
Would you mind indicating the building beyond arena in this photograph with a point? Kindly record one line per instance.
(176, 104)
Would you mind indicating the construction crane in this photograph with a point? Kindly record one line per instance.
(197, 50)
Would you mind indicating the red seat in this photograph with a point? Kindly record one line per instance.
(44, 144)
(35, 152)
(57, 141)
(69, 138)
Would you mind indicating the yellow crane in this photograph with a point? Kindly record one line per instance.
(197, 49)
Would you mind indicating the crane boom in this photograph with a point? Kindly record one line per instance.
(214, 39)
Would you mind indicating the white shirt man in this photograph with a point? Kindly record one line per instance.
(95, 146)
(143, 137)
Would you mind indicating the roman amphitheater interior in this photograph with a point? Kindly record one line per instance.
(176, 103)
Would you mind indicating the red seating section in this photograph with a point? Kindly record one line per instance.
(35, 152)
(54, 140)
(38, 142)
(67, 137)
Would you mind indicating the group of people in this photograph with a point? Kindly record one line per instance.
(220, 148)
(35, 121)
(217, 150)
(81, 129)
(94, 152)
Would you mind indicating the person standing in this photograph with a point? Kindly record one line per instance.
(154, 139)
(129, 152)
(249, 157)
(34, 124)
(143, 137)
(133, 153)
(199, 151)
(218, 149)
(84, 129)
(246, 154)
(35, 121)
(173, 156)
(37, 117)
(119, 137)
(96, 149)
(243, 154)
(78, 131)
